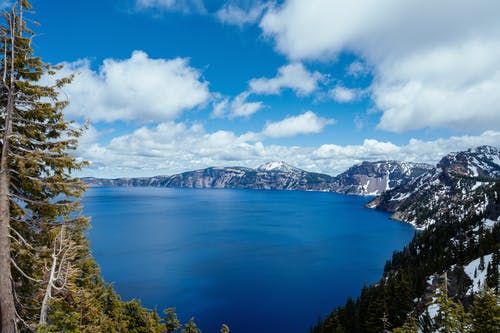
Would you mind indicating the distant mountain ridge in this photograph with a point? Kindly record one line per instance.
(458, 186)
(367, 178)
(373, 178)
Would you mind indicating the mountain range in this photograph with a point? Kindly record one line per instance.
(367, 178)
(459, 185)
(417, 193)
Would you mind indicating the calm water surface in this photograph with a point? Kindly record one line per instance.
(260, 261)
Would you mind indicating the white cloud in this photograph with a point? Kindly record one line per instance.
(241, 13)
(185, 6)
(238, 107)
(241, 108)
(435, 64)
(169, 148)
(139, 88)
(344, 95)
(357, 69)
(306, 123)
(293, 76)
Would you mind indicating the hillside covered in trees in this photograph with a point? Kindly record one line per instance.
(434, 284)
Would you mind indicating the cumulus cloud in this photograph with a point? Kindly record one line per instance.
(306, 123)
(435, 64)
(414, 151)
(185, 6)
(342, 94)
(237, 107)
(293, 76)
(170, 147)
(139, 88)
(241, 13)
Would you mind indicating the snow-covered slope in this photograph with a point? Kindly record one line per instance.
(278, 166)
(461, 184)
(373, 178)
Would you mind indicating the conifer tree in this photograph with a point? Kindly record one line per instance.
(37, 190)
(172, 323)
(485, 312)
(451, 317)
(190, 327)
(410, 326)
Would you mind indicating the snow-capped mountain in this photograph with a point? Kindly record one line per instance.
(367, 178)
(461, 184)
(270, 176)
(278, 166)
(373, 178)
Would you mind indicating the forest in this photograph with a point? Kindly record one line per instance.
(444, 248)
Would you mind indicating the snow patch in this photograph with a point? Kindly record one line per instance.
(278, 166)
(479, 279)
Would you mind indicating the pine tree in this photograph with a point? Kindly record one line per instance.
(485, 312)
(190, 327)
(481, 263)
(410, 326)
(451, 317)
(38, 195)
(172, 323)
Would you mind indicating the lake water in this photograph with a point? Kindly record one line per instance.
(260, 261)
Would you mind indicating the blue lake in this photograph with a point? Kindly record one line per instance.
(259, 261)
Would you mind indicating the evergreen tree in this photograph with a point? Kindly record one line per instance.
(37, 191)
(48, 279)
(410, 326)
(190, 327)
(485, 312)
(172, 323)
(481, 263)
(451, 316)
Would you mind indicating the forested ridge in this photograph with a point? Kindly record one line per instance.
(400, 301)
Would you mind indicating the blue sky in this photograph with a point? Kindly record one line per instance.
(169, 86)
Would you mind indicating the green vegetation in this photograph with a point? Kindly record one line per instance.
(389, 304)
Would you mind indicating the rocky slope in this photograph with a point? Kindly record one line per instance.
(270, 176)
(458, 186)
(373, 178)
(367, 178)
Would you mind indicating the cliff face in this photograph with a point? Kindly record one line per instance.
(367, 178)
(458, 186)
(373, 178)
(267, 177)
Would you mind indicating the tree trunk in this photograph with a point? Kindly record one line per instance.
(7, 306)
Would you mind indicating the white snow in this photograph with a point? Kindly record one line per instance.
(496, 160)
(433, 309)
(478, 281)
(400, 196)
(277, 166)
(476, 185)
(489, 224)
